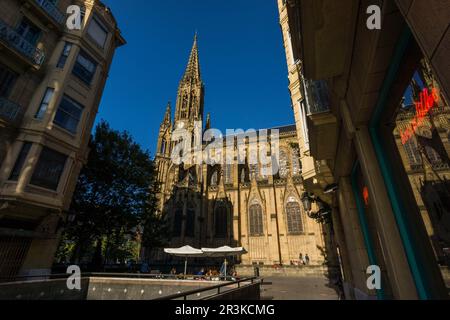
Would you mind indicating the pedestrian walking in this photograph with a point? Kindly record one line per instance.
(300, 259)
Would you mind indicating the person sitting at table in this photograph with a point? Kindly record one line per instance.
(201, 273)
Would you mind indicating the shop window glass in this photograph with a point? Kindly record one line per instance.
(421, 129)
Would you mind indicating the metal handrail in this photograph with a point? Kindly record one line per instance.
(196, 291)
(122, 275)
(52, 10)
(21, 45)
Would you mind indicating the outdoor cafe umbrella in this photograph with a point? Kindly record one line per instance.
(224, 251)
(186, 252)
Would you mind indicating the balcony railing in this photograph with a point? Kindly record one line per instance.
(18, 43)
(9, 110)
(52, 10)
(316, 94)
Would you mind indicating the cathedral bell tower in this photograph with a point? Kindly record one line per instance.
(189, 106)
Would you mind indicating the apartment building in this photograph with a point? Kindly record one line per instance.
(378, 116)
(51, 83)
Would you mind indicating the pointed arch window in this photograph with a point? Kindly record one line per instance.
(228, 174)
(254, 171)
(243, 173)
(178, 220)
(214, 178)
(412, 151)
(296, 165)
(256, 220)
(190, 222)
(283, 164)
(184, 106)
(293, 216)
(192, 176)
(221, 221)
(163, 146)
(432, 155)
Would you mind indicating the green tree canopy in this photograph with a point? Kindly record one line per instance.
(115, 199)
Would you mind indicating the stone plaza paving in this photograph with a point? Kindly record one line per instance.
(297, 288)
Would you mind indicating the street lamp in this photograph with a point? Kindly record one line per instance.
(306, 201)
(324, 210)
(71, 216)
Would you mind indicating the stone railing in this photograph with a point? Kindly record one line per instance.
(19, 44)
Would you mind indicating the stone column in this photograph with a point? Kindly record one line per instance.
(354, 240)
(344, 255)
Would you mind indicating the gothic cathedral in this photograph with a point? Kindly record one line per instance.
(233, 204)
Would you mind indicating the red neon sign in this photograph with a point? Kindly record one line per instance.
(423, 106)
(366, 196)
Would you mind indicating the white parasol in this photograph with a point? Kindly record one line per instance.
(224, 251)
(186, 252)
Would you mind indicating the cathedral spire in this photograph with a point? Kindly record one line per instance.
(208, 122)
(168, 114)
(167, 121)
(193, 67)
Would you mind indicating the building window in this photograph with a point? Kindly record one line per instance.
(7, 80)
(228, 174)
(304, 125)
(214, 178)
(190, 222)
(28, 31)
(433, 156)
(163, 146)
(294, 218)
(84, 67)
(44, 103)
(283, 164)
(15, 173)
(64, 55)
(220, 221)
(68, 115)
(178, 220)
(256, 220)
(98, 32)
(412, 152)
(49, 169)
(254, 171)
(296, 166)
(184, 106)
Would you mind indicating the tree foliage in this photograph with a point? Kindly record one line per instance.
(114, 200)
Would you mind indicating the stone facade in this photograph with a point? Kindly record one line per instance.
(233, 204)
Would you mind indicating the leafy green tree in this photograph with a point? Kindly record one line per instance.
(115, 195)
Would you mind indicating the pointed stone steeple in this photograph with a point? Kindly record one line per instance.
(208, 122)
(221, 194)
(189, 106)
(168, 114)
(192, 72)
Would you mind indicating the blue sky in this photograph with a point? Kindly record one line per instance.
(241, 56)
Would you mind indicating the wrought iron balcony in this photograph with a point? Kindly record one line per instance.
(316, 94)
(52, 10)
(321, 122)
(9, 110)
(16, 42)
